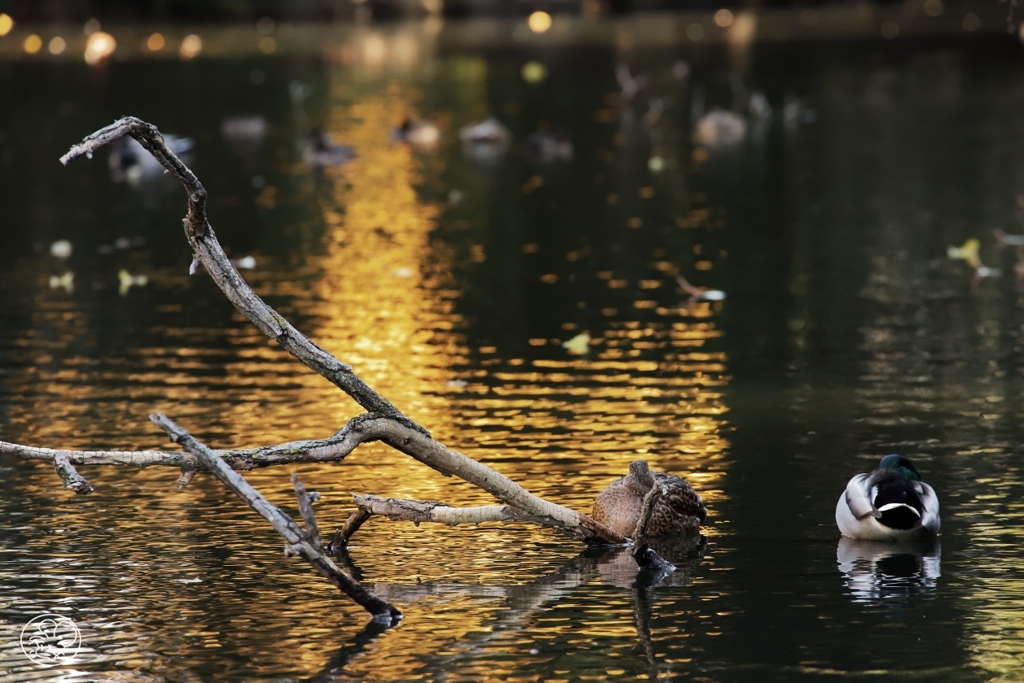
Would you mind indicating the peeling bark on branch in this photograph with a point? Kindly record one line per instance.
(331, 449)
(70, 476)
(417, 511)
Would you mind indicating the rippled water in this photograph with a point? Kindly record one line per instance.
(450, 284)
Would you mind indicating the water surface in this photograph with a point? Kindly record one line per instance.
(451, 282)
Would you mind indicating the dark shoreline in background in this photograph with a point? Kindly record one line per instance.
(884, 23)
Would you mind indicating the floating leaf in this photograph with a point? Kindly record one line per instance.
(128, 281)
(65, 281)
(968, 252)
(580, 344)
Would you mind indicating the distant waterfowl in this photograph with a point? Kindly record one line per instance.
(699, 294)
(244, 128)
(656, 106)
(889, 504)
(719, 128)
(759, 108)
(547, 147)
(795, 113)
(1004, 240)
(420, 134)
(629, 84)
(487, 132)
(679, 511)
(131, 162)
(61, 249)
(320, 150)
(485, 141)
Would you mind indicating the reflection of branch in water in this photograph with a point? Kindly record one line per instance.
(347, 652)
(642, 616)
(611, 566)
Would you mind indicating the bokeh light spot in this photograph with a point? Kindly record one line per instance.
(32, 44)
(539, 22)
(191, 45)
(155, 42)
(98, 46)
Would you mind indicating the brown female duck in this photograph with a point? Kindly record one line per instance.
(680, 510)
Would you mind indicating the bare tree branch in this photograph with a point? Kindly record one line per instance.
(208, 250)
(306, 501)
(342, 535)
(299, 541)
(70, 476)
(382, 422)
(186, 478)
(644, 555)
(418, 511)
(331, 449)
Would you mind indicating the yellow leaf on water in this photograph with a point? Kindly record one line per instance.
(580, 344)
(968, 252)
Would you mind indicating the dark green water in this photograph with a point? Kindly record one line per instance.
(846, 333)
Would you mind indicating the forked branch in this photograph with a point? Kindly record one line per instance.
(383, 421)
(303, 542)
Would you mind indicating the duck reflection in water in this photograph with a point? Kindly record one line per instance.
(880, 573)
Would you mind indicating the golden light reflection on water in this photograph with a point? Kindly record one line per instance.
(995, 631)
(377, 312)
(378, 290)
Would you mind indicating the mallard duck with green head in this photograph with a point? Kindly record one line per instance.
(889, 504)
(679, 510)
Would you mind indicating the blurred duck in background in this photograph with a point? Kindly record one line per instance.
(319, 150)
(547, 147)
(422, 135)
(132, 163)
(485, 141)
(244, 128)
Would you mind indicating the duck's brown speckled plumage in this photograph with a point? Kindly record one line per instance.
(679, 511)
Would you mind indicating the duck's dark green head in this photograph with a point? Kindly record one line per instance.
(900, 464)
